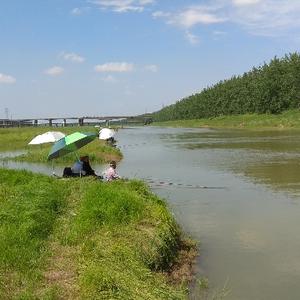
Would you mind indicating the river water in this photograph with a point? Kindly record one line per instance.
(237, 192)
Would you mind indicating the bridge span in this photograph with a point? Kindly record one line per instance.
(68, 121)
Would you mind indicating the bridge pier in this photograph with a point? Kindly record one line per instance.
(80, 121)
(65, 123)
(35, 123)
(50, 122)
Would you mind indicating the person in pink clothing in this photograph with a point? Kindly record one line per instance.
(111, 173)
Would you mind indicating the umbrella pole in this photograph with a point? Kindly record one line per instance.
(76, 155)
(53, 172)
(80, 174)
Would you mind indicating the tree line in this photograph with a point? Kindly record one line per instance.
(270, 88)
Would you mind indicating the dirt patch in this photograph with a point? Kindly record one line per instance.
(61, 273)
(182, 270)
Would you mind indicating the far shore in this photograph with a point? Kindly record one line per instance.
(286, 120)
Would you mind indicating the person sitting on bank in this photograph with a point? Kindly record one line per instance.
(86, 167)
(77, 168)
(111, 173)
(82, 167)
(111, 141)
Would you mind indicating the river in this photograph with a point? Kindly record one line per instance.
(235, 191)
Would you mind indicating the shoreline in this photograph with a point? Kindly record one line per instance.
(288, 120)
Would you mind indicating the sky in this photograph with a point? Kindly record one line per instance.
(73, 58)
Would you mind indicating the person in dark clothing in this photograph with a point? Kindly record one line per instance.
(86, 167)
(111, 141)
(81, 168)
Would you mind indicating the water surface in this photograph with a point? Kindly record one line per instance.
(248, 231)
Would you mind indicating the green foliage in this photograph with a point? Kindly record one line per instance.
(125, 233)
(104, 205)
(85, 239)
(270, 88)
(29, 207)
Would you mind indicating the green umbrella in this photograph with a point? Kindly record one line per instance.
(70, 143)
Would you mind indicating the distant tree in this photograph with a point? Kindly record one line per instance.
(269, 88)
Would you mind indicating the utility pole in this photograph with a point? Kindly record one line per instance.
(6, 112)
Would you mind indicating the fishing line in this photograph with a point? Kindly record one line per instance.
(130, 145)
(160, 183)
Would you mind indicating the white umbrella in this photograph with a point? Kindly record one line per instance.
(106, 133)
(48, 137)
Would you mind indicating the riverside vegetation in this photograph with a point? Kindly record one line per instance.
(271, 88)
(85, 239)
(288, 119)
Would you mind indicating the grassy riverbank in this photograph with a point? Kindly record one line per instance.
(18, 139)
(85, 239)
(287, 119)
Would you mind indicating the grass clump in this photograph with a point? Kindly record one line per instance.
(126, 237)
(84, 239)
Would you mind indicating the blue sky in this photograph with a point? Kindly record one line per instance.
(62, 58)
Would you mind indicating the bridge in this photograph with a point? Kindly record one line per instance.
(71, 121)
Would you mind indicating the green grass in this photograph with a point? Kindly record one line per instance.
(29, 207)
(288, 119)
(18, 139)
(84, 239)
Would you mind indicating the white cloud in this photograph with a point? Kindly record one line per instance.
(258, 17)
(195, 16)
(161, 14)
(245, 2)
(123, 6)
(193, 39)
(7, 79)
(152, 68)
(145, 2)
(73, 57)
(54, 71)
(115, 67)
(79, 11)
(109, 79)
(191, 17)
(219, 33)
(268, 17)
(76, 11)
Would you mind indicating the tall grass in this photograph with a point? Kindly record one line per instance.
(85, 239)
